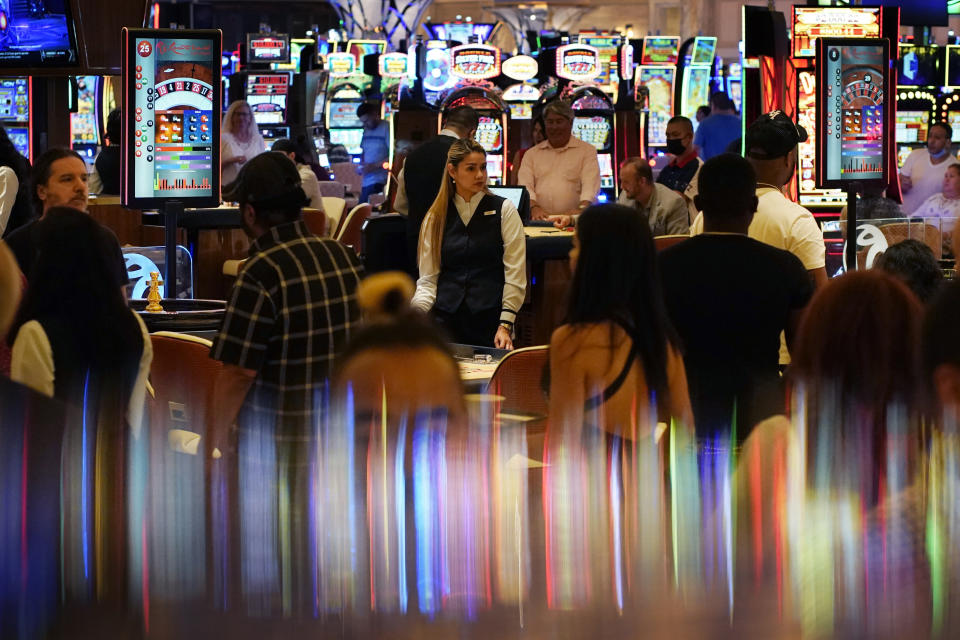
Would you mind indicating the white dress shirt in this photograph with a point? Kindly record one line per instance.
(559, 179)
(514, 259)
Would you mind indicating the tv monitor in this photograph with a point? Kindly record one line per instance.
(342, 114)
(349, 138)
(853, 98)
(519, 196)
(920, 66)
(267, 48)
(171, 117)
(35, 38)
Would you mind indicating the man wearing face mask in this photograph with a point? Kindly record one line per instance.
(684, 166)
(922, 173)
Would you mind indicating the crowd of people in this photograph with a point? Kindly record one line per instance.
(735, 337)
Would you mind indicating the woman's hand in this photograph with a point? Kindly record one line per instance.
(503, 340)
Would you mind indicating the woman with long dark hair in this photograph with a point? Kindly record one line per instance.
(616, 355)
(15, 209)
(74, 326)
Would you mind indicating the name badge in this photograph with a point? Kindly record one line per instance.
(492, 212)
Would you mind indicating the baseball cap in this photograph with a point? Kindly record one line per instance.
(773, 135)
(269, 179)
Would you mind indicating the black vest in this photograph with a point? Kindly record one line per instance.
(422, 172)
(471, 259)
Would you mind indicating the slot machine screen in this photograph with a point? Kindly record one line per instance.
(658, 82)
(267, 96)
(902, 152)
(704, 50)
(489, 135)
(594, 130)
(606, 170)
(349, 138)
(853, 107)
(735, 89)
(342, 114)
(660, 50)
(171, 133)
(83, 124)
(15, 112)
(696, 91)
(494, 168)
(810, 195)
(912, 126)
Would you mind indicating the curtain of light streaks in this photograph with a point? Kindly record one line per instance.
(822, 524)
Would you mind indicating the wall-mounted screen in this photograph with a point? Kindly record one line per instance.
(274, 47)
(920, 66)
(37, 34)
(853, 108)
(171, 135)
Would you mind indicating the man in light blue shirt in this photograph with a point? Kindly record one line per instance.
(719, 129)
(376, 149)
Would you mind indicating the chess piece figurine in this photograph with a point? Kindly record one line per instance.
(153, 296)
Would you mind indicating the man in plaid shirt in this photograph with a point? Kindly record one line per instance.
(292, 307)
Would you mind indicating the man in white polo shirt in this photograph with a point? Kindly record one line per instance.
(561, 173)
(922, 173)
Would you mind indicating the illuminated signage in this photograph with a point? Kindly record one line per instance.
(810, 23)
(475, 61)
(626, 62)
(522, 92)
(341, 64)
(578, 62)
(394, 65)
(520, 68)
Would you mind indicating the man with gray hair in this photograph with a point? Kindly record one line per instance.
(664, 210)
(561, 173)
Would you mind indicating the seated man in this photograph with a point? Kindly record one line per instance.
(685, 164)
(664, 210)
(562, 173)
(729, 297)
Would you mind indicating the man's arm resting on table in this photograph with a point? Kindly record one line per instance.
(229, 391)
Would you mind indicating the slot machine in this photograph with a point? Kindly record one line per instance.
(474, 65)
(696, 69)
(15, 102)
(920, 76)
(948, 103)
(809, 24)
(608, 46)
(343, 96)
(733, 84)
(593, 122)
(267, 95)
(654, 87)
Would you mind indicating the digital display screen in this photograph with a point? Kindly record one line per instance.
(735, 90)
(349, 138)
(14, 100)
(363, 48)
(854, 105)
(438, 76)
(83, 123)
(521, 111)
(607, 46)
(475, 62)
(704, 50)
(460, 31)
(810, 23)
(171, 116)
(657, 82)
(953, 66)
(268, 48)
(494, 168)
(20, 137)
(343, 115)
(38, 34)
(912, 126)
(606, 170)
(489, 135)
(695, 91)
(594, 130)
(660, 50)
(919, 66)
(267, 96)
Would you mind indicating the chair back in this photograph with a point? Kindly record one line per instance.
(518, 380)
(350, 230)
(333, 208)
(662, 242)
(347, 174)
(316, 221)
(384, 245)
(332, 189)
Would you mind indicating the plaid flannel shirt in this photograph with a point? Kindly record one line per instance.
(292, 307)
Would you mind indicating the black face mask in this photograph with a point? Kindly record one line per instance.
(675, 146)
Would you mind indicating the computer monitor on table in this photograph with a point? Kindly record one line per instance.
(518, 196)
